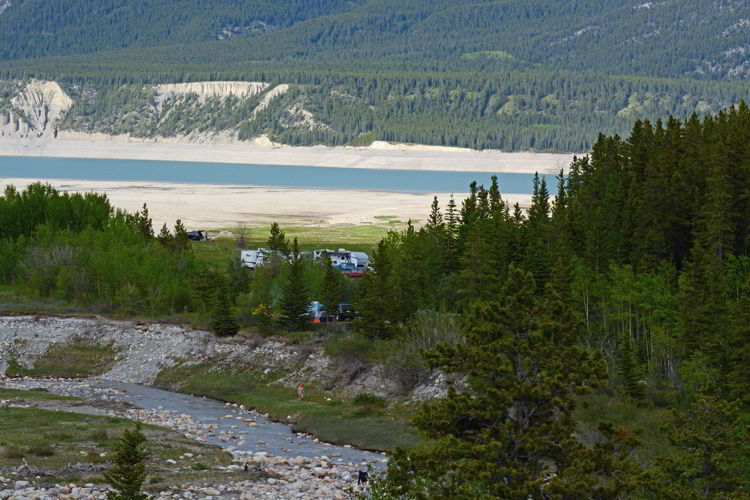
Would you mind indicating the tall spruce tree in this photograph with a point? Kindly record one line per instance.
(295, 298)
(377, 303)
(331, 292)
(277, 240)
(129, 471)
(222, 319)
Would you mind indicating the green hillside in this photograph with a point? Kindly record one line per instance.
(539, 74)
(702, 38)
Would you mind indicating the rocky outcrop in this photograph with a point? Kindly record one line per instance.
(272, 94)
(35, 110)
(4, 5)
(206, 90)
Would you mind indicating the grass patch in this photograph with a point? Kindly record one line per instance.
(330, 419)
(34, 395)
(72, 360)
(54, 439)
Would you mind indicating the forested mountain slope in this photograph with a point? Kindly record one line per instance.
(706, 38)
(539, 74)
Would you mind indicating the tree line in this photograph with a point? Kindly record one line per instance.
(636, 275)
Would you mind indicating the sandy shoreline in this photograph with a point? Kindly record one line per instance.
(226, 206)
(378, 156)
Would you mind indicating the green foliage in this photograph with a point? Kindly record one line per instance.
(222, 319)
(629, 371)
(277, 240)
(295, 299)
(79, 249)
(511, 429)
(331, 290)
(129, 471)
(710, 443)
(69, 360)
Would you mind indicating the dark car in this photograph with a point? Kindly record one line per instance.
(199, 235)
(345, 312)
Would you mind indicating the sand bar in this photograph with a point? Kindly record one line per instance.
(223, 206)
(380, 155)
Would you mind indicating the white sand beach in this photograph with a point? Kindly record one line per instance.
(380, 155)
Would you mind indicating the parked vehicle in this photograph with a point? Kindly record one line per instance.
(198, 235)
(345, 312)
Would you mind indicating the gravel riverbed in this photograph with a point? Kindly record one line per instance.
(295, 466)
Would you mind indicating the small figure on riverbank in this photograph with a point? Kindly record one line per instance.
(301, 391)
(362, 477)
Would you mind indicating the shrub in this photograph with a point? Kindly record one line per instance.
(42, 450)
(100, 435)
(369, 399)
(354, 347)
(13, 452)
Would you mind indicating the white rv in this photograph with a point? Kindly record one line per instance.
(255, 258)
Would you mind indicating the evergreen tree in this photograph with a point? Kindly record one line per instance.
(294, 302)
(331, 293)
(143, 223)
(165, 237)
(277, 240)
(376, 303)
(511, 434)
(180, 241)
(709, 444)
(222, 320)
(435, 219)
(129, 471)
(629, 370)
(452, 229)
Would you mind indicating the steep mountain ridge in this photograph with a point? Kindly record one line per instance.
(668, 38)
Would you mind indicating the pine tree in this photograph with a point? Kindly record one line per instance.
(165, 237)
(222, 320)
(295, 298)
(452, 229)
(180, 241)
(277, 240)
(129, 472)
(331, 293)
(435, 219)
(629, 370)
(142, 222)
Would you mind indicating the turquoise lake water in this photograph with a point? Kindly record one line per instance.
(410, 181)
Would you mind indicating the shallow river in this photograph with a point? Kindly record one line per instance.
(231, 432)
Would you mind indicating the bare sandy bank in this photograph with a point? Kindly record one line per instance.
(215, 149)
(214, 206)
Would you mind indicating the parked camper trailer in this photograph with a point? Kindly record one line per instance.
(344, 260)
(255, 258)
